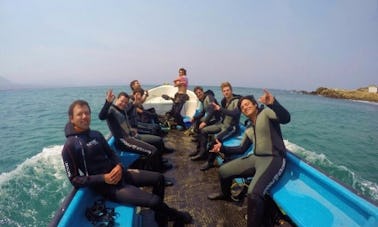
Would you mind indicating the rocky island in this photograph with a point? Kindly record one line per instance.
(362, 94)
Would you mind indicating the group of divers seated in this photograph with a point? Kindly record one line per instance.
(90, 162)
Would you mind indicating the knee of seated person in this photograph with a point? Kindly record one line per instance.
(222, 172)
(155, 201)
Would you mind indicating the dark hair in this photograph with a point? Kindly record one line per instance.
(183, 70)
(122, 93)
(140, 91)
(78, 102)
(198, 88)
(132, 83)
(250, 98)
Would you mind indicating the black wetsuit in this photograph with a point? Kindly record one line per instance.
(265, 165)
(120, 128)
(146, 122)
(87, 157)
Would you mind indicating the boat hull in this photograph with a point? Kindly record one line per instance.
(310, 197)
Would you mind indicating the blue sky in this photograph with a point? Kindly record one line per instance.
(293, 44)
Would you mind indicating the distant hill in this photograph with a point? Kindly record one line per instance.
(5, 84)
(358, 94)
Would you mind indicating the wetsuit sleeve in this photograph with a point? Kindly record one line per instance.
(233, 111)
(103, 115)
(244, 145)
(282, 114)
(72, 160)
(210, 111)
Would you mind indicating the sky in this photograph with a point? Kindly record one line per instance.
(281, 44)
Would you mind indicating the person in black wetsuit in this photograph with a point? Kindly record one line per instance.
(135, 85)
(267, 162)
(90, 162)
(126, 137)
(146, 121)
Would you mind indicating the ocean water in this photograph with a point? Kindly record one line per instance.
(338, 136)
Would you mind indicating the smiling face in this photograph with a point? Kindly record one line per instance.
(248, 108)
(199, 93)
(122, 102)
(81, 117)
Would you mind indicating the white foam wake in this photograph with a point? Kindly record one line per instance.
(32, 192)
(366, 187)
(48, 159)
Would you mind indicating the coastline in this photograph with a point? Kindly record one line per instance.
(360, 94)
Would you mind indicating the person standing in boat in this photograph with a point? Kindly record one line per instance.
(90, 162)
(126, 137)
(267, 162)
(181, 82)
(228, 127)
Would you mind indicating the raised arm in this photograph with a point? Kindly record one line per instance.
(282, 114)
(103, 115)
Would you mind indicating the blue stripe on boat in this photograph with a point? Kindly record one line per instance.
(310, 198)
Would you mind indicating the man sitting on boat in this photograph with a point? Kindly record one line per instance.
(228, 127)
(208, 116)
(90, 162)
(126, 137)
(135, 85)
(145, 121)
(267, 162)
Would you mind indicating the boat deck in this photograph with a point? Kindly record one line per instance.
(192, 187)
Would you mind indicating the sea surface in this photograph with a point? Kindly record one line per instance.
(338, 136)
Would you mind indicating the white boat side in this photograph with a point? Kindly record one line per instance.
(154, 100)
